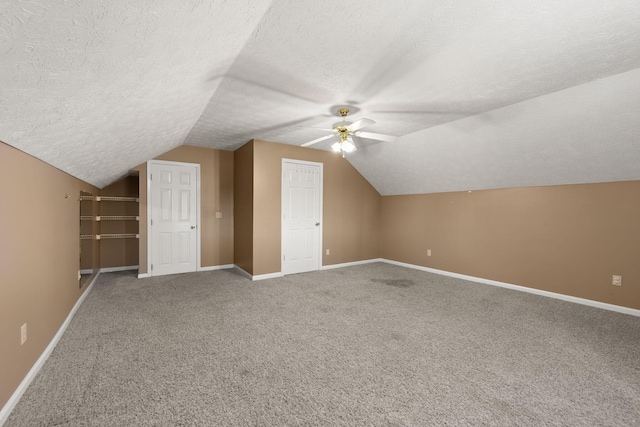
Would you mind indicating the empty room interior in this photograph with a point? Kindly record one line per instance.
(320, 213)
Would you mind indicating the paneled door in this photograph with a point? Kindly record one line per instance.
(173, 222)
(301, 216)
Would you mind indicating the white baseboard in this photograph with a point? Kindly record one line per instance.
(210, 268)
(15, 397)
(259, 276)
(216, 267)
(113, 269)
(243, 272)
(569, 298)
(351, 264)
(268, 276)
(324, 267)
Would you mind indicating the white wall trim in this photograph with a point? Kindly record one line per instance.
(15, 397)
(283, 235)
(150, 164)
(148, 204)
(323, 267)
(243, 272)
(267, 276)
(216, 267)
(351, 264)
(210, 268)
(259, 276)
(569, 298)
(113, 269)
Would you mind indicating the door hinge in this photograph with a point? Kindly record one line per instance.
(152, 267)
(151, 222)
(150, 177)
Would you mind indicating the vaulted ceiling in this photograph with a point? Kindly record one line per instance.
(483, 95)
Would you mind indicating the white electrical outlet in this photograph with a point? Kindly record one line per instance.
(617, 280)
(218, 214)
(328, 252)
(428, 252)
(23, 334)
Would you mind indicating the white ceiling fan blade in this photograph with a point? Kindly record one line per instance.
(359, 124)
(315, 141)
(314, 128)
(376, 136)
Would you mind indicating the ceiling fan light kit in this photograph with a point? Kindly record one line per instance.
(345, 130)
(344, 146)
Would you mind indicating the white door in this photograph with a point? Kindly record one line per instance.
(173, 208)
(301, 216)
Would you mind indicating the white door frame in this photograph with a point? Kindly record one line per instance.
(149, 205)
(282, 230)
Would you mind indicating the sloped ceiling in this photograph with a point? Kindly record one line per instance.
(483, 95)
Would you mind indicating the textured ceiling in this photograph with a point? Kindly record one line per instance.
(483, 95)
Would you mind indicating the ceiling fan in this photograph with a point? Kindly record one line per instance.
(344, 131)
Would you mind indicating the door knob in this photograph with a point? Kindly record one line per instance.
(317, 224)
(193, 226)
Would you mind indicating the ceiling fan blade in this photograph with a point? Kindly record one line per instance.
(376, 136)
(359, 124)
(314, 128)
(315, 141)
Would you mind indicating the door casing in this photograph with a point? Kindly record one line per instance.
(284, 234)
(150, 242)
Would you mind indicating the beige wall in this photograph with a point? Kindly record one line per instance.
(216, 177)
(39, 259)
(351, 207)
(243, 207)
(249, 233)
(565, 239)
(568, 239)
